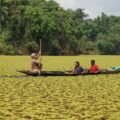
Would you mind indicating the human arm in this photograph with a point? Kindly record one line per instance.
(38, 55)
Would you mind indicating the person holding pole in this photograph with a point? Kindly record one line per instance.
(36, 65)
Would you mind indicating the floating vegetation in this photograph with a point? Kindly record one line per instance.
(58, 98)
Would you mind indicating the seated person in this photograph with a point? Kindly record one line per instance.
(36, 66)
(94, 68)
(77, 68)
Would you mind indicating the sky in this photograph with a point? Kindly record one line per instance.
(93, 7)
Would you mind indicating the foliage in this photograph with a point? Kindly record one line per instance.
(23, 23)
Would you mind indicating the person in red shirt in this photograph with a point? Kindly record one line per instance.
(94, 68)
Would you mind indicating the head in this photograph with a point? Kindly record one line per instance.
(92, 62)
(77, 64)
(33, 55)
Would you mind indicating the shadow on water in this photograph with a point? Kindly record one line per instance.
(13, 76)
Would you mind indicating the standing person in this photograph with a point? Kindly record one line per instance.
(77, 68)
(36, 65)
(94, 68)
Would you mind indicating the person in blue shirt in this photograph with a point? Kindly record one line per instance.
(77, 68)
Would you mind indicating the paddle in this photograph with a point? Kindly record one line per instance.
(40, 51)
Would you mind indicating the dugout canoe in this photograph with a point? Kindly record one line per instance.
(66, 73)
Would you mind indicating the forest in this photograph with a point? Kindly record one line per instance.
(63, 32)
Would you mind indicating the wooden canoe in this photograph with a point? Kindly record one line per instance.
(66, 73)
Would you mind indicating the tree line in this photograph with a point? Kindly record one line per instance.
(63, 32)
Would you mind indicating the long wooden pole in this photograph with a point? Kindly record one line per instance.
(40, 52)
